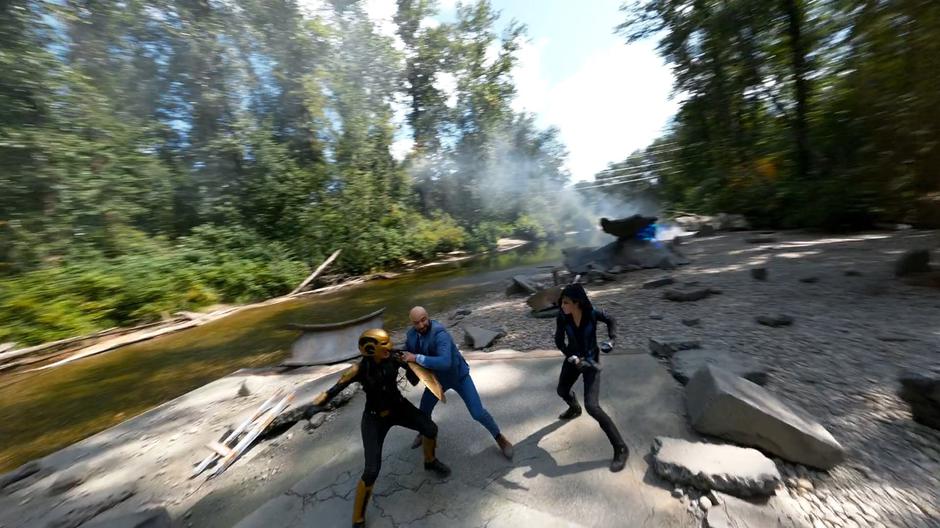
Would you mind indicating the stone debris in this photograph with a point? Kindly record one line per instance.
(688, 295)
(774, 320)
(922, 393)
(667, 346)
(658, 283)
(740, 471)
(777, 512)
(685, 363)
(521, 284)
(477, 338)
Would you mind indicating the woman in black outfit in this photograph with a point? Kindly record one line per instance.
(576, 337)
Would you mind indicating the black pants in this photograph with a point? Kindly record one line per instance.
(375, 427)
(592, 389)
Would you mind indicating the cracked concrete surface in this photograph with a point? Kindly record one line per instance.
(559, 476)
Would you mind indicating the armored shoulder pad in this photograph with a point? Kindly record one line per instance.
(349, 373)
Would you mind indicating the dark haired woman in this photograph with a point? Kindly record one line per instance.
(576, 337)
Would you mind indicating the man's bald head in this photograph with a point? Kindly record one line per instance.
(419, 319)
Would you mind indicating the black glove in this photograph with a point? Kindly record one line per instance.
(607, 346)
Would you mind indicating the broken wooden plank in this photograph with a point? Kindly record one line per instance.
(220, 449)
(232, 436)
(245, 443)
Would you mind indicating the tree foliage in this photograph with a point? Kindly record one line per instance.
(800, 113)
(158, 155)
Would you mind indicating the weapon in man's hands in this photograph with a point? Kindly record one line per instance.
(426, 376)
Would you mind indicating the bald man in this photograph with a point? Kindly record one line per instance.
(431, 346)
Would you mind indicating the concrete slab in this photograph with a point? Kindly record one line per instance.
(559, 477)
(152, 454)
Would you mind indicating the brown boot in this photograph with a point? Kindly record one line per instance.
(363, 494)
(505, 446)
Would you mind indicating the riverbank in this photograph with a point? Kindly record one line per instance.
(60, 352)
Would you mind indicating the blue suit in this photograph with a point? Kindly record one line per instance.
(437, 351)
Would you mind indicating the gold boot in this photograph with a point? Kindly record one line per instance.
(363, 494)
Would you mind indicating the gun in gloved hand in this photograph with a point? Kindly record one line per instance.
(583, 363)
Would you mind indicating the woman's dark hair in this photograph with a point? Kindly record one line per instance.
(576, 293)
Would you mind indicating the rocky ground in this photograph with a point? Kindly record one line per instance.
(855, 329)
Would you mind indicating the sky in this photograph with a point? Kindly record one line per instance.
(606, 98)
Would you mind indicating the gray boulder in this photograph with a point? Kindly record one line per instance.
(730, 407)
(736, 470)
(667, 346)
(685, 363)
(922, 393)
(521, 284)
(690, 295)
(544, 299)
(779, 511)
(913, 261)
(657, 283)
(477, 338)
(774, 320)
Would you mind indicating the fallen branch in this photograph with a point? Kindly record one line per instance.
(316, 272)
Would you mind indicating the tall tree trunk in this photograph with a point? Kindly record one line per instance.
(794, 13)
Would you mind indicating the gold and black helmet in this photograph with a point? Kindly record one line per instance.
(375, 341)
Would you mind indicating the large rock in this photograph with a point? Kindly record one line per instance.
(521, 284)
(778, 512)
(736, 470)
(478, 338)
(626, 253)
(731, 407)
(667, 346)
(156, 517)
(544, 299)
(913, 261)
(923, 395)
(685, 363)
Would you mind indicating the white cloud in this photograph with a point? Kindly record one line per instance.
(615, 103)
(447, 83)
(382, 13)
(430, 23)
